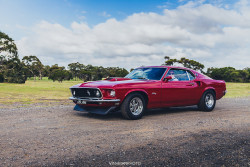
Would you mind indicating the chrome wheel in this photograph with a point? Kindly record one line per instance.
(136, 106)
(209, 100)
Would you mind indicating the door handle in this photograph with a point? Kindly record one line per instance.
(190, 84)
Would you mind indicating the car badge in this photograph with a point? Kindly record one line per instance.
(88, 92)
(74, 93)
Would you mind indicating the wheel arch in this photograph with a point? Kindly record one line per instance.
(209, 89)
(140, 91)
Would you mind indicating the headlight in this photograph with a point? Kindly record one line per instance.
(98, 94)
(108, 93)
(112, 93)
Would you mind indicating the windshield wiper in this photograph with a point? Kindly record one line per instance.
(141, 78)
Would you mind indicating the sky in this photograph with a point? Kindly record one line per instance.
(130, 33)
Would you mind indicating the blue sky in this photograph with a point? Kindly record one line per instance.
(16, 14)
(115, 32)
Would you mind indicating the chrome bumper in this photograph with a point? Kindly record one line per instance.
(95, 100)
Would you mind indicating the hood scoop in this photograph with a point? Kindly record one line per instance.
(116, 79)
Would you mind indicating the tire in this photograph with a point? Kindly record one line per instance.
(207, 101)
(133, 107)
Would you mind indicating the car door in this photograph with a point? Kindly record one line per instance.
(181, 89)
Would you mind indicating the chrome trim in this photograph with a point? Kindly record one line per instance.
(136, 106)
(95, 99)
(209, 100)
(188, 75)
(191, 74)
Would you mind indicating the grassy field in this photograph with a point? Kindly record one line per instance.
(35, 91)
(49, 91)
(237, 90)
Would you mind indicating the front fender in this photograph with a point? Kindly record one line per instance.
(134, 90)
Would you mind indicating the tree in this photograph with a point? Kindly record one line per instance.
(85, 75)
(170, 62)
(11, 68)
(7, 46)
(220, 73)
(185, 62)
(34, 65)
(14, 71)
(98, 73)
(88, 73)
(117, 72)
(52, 71)
(46, 71)
(248, 70)
(59, 73)
(75, 69)
(229, 74)
(1, 78)
(244, 75)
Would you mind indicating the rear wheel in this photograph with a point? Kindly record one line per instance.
(133, 106)
(207, 101)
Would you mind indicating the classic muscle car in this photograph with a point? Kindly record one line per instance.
(147, 88)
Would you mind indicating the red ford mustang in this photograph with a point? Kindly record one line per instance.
(147, 88)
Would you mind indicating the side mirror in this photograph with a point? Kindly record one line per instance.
(167, 78)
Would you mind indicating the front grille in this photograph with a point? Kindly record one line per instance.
(86, 92)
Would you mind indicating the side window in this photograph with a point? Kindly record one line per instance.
(191, 75)
(171, 73)
(178, 75)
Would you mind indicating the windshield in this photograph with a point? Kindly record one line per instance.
(146, 73)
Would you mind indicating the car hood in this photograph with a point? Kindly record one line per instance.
(113, 83)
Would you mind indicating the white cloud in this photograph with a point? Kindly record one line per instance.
(105, 14)
(213, 35)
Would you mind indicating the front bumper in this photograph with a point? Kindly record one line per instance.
(96, 106)
(95, 100)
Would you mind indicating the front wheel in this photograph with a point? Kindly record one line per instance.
(207, 101)
(133, 106)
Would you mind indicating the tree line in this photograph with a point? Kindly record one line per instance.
(14, 70)
(229, 74)
(83, 72)
(31, 66)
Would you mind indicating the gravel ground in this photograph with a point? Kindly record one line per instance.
(55, 135)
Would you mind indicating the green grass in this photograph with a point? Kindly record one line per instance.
(237, 90)
(49, 91)
(35, 91)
